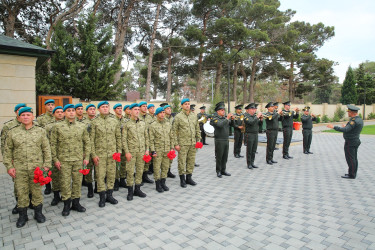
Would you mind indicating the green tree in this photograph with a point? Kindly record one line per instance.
(365, 83)
(349, 91)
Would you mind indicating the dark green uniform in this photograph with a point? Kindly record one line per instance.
(351, 135)
(272, 126)
(238, 135)
(201, 123)
(287, 123)
(307, 131)
(252, 123)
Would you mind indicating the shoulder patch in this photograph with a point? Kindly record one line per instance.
(15, 126)
(9, 121)
(352, 123)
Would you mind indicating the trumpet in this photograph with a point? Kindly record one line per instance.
(243, 123)
(203, 119)
(267, 115)
(286, 113)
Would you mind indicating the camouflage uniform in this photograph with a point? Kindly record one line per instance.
(83, 120)
(88, 178)
(44, 119)
(25, 150)
(122, 172)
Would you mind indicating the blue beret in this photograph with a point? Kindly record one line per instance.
(102, 103)
(49, 101)
(56, 108)
(142, 103)
(158, 110)
(68, 106)
(167, 106)
(18, 106)
(185, 100)
(25, 109)
(89, 106)
(131, 106)
(150, 106)
(117, 105)
(78, 105)
(126, 106)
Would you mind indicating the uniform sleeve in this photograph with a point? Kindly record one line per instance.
(86, 145)
(53, 143)
(151, 138)
(118, 138)
(8, 152)
(218, 123)
(250, 121)
(235, 123)
(171, 138)
(175, 130)
(92, 138)
(295, 115)
(4, 132)
(349, 126)
(46, 149)
(124, 138)
(147, 138)
(197, 132)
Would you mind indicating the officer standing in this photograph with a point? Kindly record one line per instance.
(120, 173)
(252, 122)
(135, 143)
(187, 134)
(202, 119)
(276, 110)
(79, 113)
(192, 110)
(27, 147)
(70, 148)
(307, 126)
(221, 125)
(127, 112)
(47, 117)
(105, 136)
(287, 117)
(351, 132)
(168, 117)
(238, 131)
(161, 143)
(272, 126)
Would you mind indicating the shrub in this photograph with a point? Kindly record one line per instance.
(339, 114)
(297, 119)
(317, 120)
(371, 116)
(325, 119)
(360, 115)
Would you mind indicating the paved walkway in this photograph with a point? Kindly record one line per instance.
(296, 204)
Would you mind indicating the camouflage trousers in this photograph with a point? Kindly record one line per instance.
(186, 159)
(88, 177)
(137, 164)
(56, 176)
(161, 165)
(121, 173)
(24, 183)
(70, 179)
(106, 169)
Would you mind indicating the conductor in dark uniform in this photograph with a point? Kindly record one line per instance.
(351, 135)
(238, 131)
(287, 117)
(202, 119)
(272, 127)
(252, 123)
(221, 125)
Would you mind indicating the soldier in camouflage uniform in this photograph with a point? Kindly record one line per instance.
(47, 117)
(27, 147)
(79, 113)
(127, 112)
(70, 148)
(135, 144)
(161, 142)
(168, 117)
(105, 136)
(187, 134)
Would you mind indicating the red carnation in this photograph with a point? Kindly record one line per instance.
(147, 158)
(199, 145)
(171, 154)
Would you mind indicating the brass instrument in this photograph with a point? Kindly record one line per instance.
(286, 113)
(203, 119)
(267, 116)
(243, 123)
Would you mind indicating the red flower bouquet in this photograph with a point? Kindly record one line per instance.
(41, 176)
(199, 145)
(85, 170)
(171, 154)
(117, 158)
(147, 158)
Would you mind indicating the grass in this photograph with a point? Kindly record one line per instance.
(367, 130)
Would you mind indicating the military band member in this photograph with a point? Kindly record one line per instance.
(168, 117)
(287, 117)
(70, 148)
(276, 110)
(307, 126)
(221, 125)
(91, 113)
(27, 147)
(187, 134)
(161, 143)
(272, 126)
(238, 131)
(105, 136)
(135, 143)
(202, 119)
(252, 122)
(351, 132)
(47, 117)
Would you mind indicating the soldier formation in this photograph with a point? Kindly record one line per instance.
(67, 143)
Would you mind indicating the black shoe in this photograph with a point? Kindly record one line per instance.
(219, 175)
(122, 182)
(205, 143)
(237, 156)
(276, 148)
(163, 186)
(56, 198)
(22, 219)
(348, 177)
(241, 156)
(110, 198)
(290, 157)
(84, 183)
(102, 199)
(38, 215)
(306, 152)
(196, 165)
(254, 166)
(309, 152)
(170, 174)
(250, 166)
(96, 188)
(130, 193)
(66, 209)
(269, 163)
(145, 179)
(116, 187)
(285, 157)
(158, 186)
(138, 192)
(226, 173)
(48, 188)
(189, 180)
(273, 161)
(182, 181)
(76, 206)
(90, 190)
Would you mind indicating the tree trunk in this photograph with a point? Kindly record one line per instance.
(244, 87)
(169, 80)
(235, 77)
(96, 6)
(219, 69)
(9, 23)
(200, 61)
(252, 78)
(150, 56)
(291, 83)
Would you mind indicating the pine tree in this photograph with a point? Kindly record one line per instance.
(349, 91)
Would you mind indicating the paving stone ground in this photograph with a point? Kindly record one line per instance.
(296, 204)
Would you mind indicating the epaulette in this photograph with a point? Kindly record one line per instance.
(42, 115)
(112, 115)
(15, 126)
(38, 125)
(9, 121)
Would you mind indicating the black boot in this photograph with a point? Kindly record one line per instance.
(66, 209)
(130, 193)
(48, 189)
(122, 182)
(56, 198)
(170, 175)
(110, 198)
(15, 210)
(30, 199)
(158, 186)
(151, 169)
(138, 192)
(116, 187)
(38, 215)
(189, 180)
(96, 188)
(22, 219)
(163, 186)
(84, 183)
(90, 190)
(76, 206)
(102, 199)
(145, 179)
(182, 181)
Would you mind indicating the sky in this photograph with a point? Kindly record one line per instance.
(354, 22)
